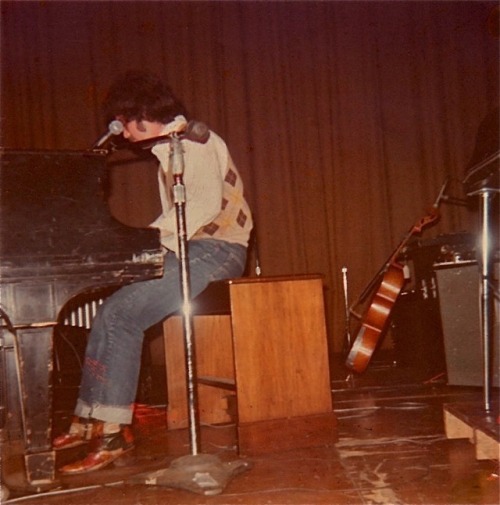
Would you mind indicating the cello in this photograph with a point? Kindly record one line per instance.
(392, 279)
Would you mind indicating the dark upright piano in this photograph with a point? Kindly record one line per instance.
(58, 242)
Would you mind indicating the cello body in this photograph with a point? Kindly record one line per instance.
(376, 318)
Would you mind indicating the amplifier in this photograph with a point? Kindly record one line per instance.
(459, 300)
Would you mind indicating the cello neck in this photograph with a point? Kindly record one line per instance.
(424, 221)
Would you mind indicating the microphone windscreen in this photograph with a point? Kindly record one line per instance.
(115, 127)
(197, 132)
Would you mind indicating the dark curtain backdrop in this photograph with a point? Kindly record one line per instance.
(344, 117)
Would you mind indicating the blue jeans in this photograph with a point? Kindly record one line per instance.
(113, 355)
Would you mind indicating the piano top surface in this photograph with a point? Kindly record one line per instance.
(54, 217)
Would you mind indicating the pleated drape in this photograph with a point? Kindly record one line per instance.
(345, 118)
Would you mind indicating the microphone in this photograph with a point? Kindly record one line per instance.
(197, 132)
(441, 195)
(114, 128)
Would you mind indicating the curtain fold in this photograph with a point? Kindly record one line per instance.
(345, 118)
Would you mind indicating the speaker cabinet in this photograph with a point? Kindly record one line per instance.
(458, 287)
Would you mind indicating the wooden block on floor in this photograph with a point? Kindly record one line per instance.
(456, 428)
(487, 447)
(469, 420)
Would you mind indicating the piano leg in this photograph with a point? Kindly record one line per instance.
(28, 360)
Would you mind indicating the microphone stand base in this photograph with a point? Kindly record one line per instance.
(201, 473)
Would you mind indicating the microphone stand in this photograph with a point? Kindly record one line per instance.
(201, 473)
(483, 180)
(347, 323)
(179, 194)
(486, 194)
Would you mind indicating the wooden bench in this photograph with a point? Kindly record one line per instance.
(262, 363)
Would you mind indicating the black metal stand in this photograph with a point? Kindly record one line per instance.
(200, 473)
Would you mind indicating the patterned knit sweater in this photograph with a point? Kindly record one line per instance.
(215, 205)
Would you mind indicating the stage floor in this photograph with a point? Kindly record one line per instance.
(392, 449)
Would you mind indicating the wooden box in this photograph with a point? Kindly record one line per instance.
(264, 365)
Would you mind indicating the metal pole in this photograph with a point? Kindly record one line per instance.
(179, 194)
(486, 271)
(347, 320)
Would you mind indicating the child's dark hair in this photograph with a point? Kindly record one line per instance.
(141, 95)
